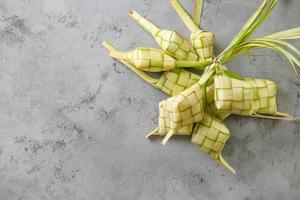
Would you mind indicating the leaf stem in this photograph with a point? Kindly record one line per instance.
(185, 17)
(197, 12)
(143, 22)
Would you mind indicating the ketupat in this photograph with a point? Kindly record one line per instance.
(170, 42)
(184, 109)
(210, 135)
(264, 96)
(202, 41)
(253, 90)
(155, 60)
(165, 123)
(172, 83)
(233, 95)
(250, 97)
(146, 77)
(175, 81)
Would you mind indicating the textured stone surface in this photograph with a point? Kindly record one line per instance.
(73, 121)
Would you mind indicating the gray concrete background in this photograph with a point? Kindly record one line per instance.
(73, 121)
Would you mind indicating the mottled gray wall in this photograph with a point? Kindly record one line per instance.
(73, 121)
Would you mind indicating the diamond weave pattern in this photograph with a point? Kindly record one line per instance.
(177, 80)
(210, 135)
(185, 108)
(150, 59)
(233, 95)
(264, 98)
(203, 43)
(175, 45)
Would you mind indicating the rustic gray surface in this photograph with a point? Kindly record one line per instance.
(73, 121)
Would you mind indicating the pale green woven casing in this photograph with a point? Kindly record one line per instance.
(164, 123)
(210, 102)
(174, 44)
(264, 98)
(203, 43)
(175, 81)
(233, 95)
(150, 59)
(185, 108)
(172, 83)
(170, 42)
(210, 135)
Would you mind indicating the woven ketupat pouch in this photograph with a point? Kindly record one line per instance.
(172, 83)
(175, 45)
(150, 59)
(203, 43)
(177, 80)
(233, 95)
(186, 108)
(264, 98)
(210, 135)
(170, 41)
(164, 124)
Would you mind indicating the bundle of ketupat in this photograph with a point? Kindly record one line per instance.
(199, 104)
